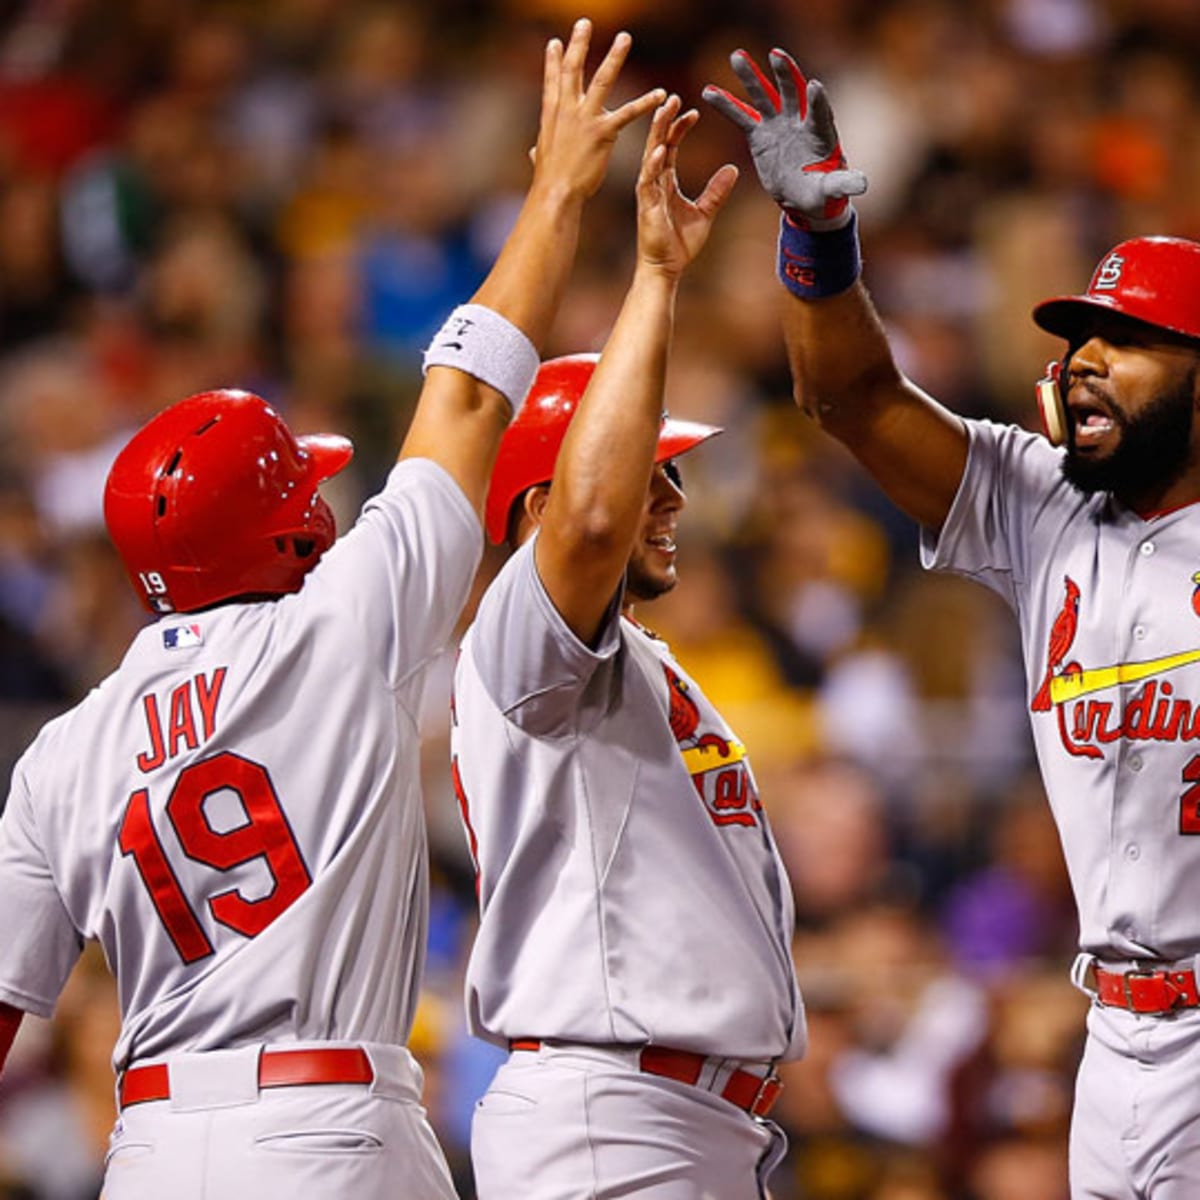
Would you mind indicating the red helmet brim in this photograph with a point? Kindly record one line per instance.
(678, 437)
(330, 453)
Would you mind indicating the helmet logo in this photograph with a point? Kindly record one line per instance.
(1108, 274)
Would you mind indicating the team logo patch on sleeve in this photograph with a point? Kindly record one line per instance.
(182, 637)
(716, 764)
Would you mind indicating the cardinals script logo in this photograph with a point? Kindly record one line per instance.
(1108, 275)
(717, 765)
(1090, 707)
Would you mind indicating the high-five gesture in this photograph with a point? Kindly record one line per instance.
(793, 140)
(493, 344)
(671, 228)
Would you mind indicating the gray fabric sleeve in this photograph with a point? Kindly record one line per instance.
(40, 944)
(529, 660)
(1010, 475)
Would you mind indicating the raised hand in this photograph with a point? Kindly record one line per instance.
(671, 228)
(793, 140)
(577, 133)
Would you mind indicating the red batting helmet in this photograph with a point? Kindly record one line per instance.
(215, 497)
(1152, 279)
(530, 445)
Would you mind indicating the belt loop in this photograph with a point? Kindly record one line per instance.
(1080, 968)
(771, 1085)
(713, 1069)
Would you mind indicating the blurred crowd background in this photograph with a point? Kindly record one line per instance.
(289, 197)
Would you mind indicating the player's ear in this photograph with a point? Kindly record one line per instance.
(527, 513)
(535, 502)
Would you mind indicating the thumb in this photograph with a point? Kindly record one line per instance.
(836, 184)
(717, 190)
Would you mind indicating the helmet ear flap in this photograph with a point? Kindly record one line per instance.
(1050, 403)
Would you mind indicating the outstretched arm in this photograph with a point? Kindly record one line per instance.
(459, 417)
(602, 476)
(843, 372)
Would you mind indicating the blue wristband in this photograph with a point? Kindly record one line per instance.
(812, 264)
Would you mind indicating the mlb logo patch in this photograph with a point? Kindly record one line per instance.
(182, 637)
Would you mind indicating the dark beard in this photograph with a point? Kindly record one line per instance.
(640, 585)
(1152, 451)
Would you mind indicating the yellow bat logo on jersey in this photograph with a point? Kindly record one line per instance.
(699, 759)
(1072, 684)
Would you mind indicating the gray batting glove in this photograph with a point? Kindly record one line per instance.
(793, 140)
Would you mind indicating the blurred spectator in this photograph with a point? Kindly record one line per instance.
(831, 825)
(1017, 907)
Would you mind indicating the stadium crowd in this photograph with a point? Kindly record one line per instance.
(289, 197)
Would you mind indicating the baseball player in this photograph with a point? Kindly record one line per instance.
(1093, 537)
(234, 813)
(634, 947)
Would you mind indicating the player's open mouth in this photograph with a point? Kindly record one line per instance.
(664, 542)
(1091, 423)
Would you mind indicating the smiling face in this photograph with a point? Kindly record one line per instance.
(651, 571)
(1131, 392)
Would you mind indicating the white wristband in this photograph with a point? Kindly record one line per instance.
(479, 341)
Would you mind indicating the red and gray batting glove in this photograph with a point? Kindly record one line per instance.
(793, 141)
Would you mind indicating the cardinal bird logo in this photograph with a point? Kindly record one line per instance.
(1062, 634)
(685, 715)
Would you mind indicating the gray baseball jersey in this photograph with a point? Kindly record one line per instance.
(629, 885)
(234, 813)
(1109, 610)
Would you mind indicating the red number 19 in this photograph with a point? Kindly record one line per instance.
(265, 834)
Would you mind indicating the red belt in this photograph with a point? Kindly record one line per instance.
(755, 1094)
(276, 1068)
(1147, 991)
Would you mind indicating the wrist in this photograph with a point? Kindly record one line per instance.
(557, 194)
(482, 343)
(823, 224)
(816, 263)
(651, 272)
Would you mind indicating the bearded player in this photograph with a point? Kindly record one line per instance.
(234, 814)
(1095, 544)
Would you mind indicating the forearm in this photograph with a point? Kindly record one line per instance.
(527, 282)
(604, 467)
(845, 378)
(843, 372)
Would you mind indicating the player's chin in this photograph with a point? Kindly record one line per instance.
(1091, 468)
(646, 580)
